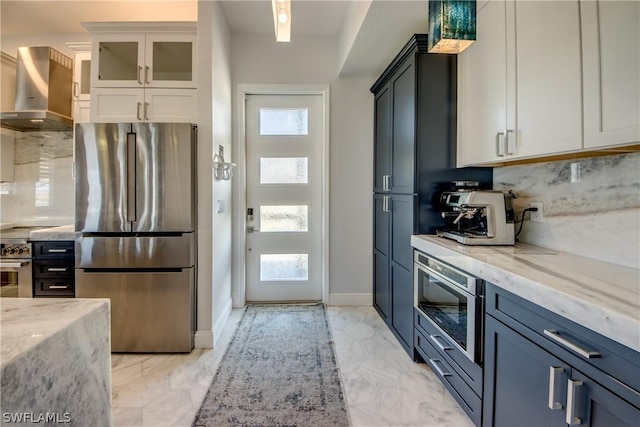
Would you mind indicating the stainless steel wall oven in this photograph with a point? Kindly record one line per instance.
(453, 303)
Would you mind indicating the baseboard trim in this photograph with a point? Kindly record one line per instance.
(203, 339)
(351, 299)
(222, 320)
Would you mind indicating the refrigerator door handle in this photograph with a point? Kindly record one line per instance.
(131, 177)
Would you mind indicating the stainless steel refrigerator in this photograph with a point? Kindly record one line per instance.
(135, 222)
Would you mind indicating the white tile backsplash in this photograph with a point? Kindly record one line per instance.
(43, 190)
(591, 207)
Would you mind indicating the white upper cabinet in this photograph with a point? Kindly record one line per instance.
(109, 105)
(519, 83)
(143, 55)
(611, 56)
(81, 81)
(143, 71)
(482, 89)
(544, 109)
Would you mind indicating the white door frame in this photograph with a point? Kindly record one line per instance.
(240, 187)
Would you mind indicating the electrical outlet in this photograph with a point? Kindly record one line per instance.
(536, 216)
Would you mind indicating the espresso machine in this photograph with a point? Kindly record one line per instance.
(478, 217)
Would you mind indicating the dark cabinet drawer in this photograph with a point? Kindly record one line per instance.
(468, 371)
(54, 249)
(61, 287)
(52, 268)
(464, 395)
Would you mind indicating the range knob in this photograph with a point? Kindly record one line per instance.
(11, 250)
(25, 250)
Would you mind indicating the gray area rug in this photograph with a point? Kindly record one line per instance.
(279, 370)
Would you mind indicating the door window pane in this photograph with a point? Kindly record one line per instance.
(284, 267)
(284, 121)
(284, 170)
(284, 218)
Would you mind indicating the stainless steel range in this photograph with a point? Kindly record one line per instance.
(15, 263)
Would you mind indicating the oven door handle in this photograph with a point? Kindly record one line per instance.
(4, 265)
(445, 279)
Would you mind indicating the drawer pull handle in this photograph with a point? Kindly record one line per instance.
(572, 389)
(438, 369)
(59, 287)
(57, 251)
(554, 371)
(55, 269)
(555, 335)
(440, 342)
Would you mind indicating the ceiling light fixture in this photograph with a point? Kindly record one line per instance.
(282, 19)
(452, 25)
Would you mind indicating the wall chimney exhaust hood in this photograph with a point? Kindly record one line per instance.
(44, 78)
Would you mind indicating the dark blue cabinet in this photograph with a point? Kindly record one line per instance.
(393, 262)
(544, 370)
(414, 161)
(517, 380)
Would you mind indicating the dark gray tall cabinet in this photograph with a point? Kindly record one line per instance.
(414, 161)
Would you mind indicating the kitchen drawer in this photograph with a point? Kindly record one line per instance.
(52, 268)
(53, 249)
(59, 287)
(461, 392)
(468, 371)
(613, 365)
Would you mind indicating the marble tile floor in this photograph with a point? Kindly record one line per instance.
(382, 386)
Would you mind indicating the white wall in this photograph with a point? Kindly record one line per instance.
(351, 219)
(260, 59)
(314, 61)
(214, 128)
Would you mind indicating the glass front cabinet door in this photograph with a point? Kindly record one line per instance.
(145, 60)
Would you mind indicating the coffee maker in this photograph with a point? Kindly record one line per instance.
(478, 217)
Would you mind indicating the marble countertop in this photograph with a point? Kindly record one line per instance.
(598, 295)
(26, 322)
(55, 359)
(64, 232)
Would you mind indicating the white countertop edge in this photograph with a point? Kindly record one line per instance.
(585, 311)
(26, 322)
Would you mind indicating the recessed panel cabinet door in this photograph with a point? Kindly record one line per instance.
(404, 131)
(544, 109)
(595, 406)
(611, 69)
(482, 89)
(382, 162)
(518, 381)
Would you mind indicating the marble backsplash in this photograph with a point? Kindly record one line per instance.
(591, 207)
(43, 191)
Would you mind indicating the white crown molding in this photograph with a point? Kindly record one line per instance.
(142, 27)
(7, 59)
(79, 46)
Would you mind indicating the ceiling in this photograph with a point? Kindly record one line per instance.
(309, 17)
(386, 26)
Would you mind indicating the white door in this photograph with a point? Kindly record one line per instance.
(284, 137)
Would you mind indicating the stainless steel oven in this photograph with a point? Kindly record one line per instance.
(15, 267)
(453, 302)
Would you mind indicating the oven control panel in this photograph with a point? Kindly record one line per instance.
(20, 250)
